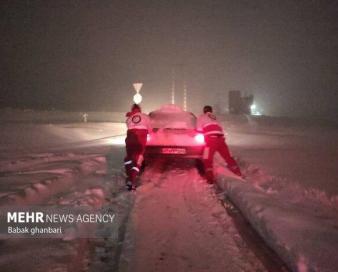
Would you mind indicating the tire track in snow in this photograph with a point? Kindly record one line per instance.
(179, 225)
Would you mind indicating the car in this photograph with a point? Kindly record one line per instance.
(174, 134)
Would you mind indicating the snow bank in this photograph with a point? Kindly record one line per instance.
(304, 236)
(290, 195)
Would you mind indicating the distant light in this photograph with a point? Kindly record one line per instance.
(254, 110)
(257, 113)
(137, 98)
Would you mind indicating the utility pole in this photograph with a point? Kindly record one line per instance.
(185, 95)
(173, 87)
(185, 90)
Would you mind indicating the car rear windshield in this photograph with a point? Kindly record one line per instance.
(173, 120)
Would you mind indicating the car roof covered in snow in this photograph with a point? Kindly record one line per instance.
(172, 116)
(169, 108)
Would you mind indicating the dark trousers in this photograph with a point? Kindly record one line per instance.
(135, 146)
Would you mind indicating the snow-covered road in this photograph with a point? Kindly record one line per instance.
(61, 166)
(179, 224)
(290, 155)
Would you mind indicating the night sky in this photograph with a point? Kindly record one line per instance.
(85, 55)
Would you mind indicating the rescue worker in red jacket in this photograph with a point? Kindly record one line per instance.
(215, 141)
(138, 125)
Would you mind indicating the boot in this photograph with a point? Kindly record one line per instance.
(129, 185)
(209, 175)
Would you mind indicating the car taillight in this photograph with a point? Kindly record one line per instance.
(199, 138)
(148, 137)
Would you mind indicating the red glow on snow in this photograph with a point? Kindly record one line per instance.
(199, 138)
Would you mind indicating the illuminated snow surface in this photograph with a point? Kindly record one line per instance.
(291, 191)
(174, 222)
